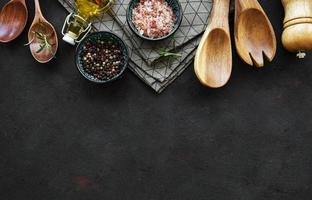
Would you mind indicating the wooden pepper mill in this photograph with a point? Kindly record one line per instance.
(297, 34)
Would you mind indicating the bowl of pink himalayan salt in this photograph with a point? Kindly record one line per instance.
(154, 19)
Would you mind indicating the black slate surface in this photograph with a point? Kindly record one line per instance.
(62, 137)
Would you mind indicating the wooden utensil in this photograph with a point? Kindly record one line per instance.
(13, 19)
(297, 34)
(253, 33)
(38, 25)
(213, 59)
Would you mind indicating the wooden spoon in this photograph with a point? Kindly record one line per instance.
(13, 19)
(253, 33)
(41, 25)
(213, 59)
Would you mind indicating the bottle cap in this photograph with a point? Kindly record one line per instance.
(69, 39)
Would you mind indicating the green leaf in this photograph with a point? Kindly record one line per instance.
(168, 53)
(39, 35)
(42, 46)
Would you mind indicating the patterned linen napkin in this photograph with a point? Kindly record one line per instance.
(157, 72)
(195, 17)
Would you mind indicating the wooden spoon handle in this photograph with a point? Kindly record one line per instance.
(220, 15)
(38, 13)
(242, 5)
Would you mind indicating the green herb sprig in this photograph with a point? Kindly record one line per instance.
(164, 53)
(41, 33)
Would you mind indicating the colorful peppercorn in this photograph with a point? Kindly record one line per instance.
(102, 59)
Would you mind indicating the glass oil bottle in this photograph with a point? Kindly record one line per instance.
(78, 24)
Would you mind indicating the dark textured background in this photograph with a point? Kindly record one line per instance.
(62, 137)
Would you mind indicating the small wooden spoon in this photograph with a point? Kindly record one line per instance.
(253, 33)
(213, 60)
(39, 21)
(13, 19)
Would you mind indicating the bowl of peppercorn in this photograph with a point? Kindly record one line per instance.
(101, 57)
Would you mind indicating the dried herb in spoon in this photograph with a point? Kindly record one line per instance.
(41, 34)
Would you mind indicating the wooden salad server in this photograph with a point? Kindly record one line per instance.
(213, 59)
(13, 19)
(297, 34)
(41, 25)
(253, 33)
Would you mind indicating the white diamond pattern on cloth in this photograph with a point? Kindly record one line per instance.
(194, 21)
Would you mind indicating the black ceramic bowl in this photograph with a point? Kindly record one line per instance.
(176, 8)
(102, 36)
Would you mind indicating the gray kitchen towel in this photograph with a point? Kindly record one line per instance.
(160, 86)
(160, 72)
(195, 17)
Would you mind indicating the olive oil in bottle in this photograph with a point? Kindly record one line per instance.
(79, 25)
(89, 8)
